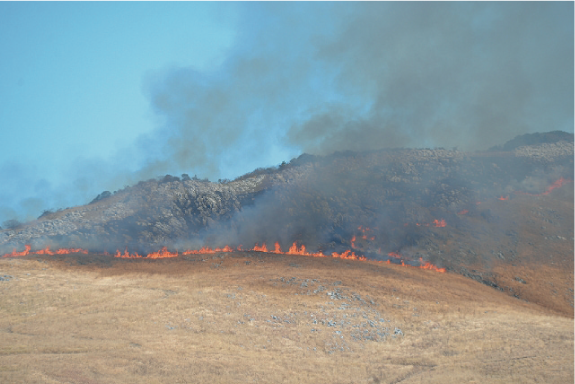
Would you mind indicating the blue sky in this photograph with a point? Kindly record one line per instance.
(72, 73)
(72, 79)
(96, 96)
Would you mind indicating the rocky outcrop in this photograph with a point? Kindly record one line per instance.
(317, 200)
(149, 212)
(546, 152)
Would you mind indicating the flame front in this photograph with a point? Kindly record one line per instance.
(206, 250)
(557, 184)
(45, 251)
(25, 252)
(164, 253)
(439, 223)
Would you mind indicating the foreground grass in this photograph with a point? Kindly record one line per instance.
(268, 318)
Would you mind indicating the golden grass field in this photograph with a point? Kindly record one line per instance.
(263, 318)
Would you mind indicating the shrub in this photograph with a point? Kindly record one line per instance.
(11, 224)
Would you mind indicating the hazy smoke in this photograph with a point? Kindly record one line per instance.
(325, 77)
(321, 77)
(446, 74)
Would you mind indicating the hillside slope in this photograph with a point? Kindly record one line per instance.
(482, 214)
(258, 317)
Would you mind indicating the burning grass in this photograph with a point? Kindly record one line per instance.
(293, 250)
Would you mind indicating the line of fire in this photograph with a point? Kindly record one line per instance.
(364, 233)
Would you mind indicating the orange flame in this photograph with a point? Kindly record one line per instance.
(364, 236)
(428, 265)
(163, 253)
(348, 255)
(394, 254)
(263, 248)
(205, 250)
(277, 248)
(25, 252)
(66, 251)
(45, 251)
(127, 255)
(464, 212)
(436, 223)
(422, 264)
(557, 184)
(503, 198)
(439, 223)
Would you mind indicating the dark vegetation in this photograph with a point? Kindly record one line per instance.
(319, 201)
(535, 139)
(11, 224)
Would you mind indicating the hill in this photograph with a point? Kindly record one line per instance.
(257, 317)
(481, 214)
(365, 302)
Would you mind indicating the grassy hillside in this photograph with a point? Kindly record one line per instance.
(254, 317)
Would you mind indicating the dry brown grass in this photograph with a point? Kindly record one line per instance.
(192, 321)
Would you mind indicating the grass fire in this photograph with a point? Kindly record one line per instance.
(334, 269)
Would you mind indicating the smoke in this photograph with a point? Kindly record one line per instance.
(325, 77)
(446, 74)
(231, 120)
(319, 78)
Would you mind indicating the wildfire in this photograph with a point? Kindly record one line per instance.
(45, 251)
(348, 255)
(439, 223)
(503, 198)
(364, 231)
(263, 248)
(294, 249)
(557, 184)
(205, 250)
(464, 212)
(428, 265)
(127, 255)
(436, 223)
(163, 253)
(65, 251)
(25, 252)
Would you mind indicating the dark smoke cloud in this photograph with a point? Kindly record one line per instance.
(324, 77)
(232, 120)
(446, 74)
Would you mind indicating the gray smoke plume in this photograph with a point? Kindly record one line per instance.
(325, 77)
(446, 74)
(319, 78)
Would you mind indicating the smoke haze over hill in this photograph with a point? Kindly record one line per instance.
(325, 77)
(369, 76)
